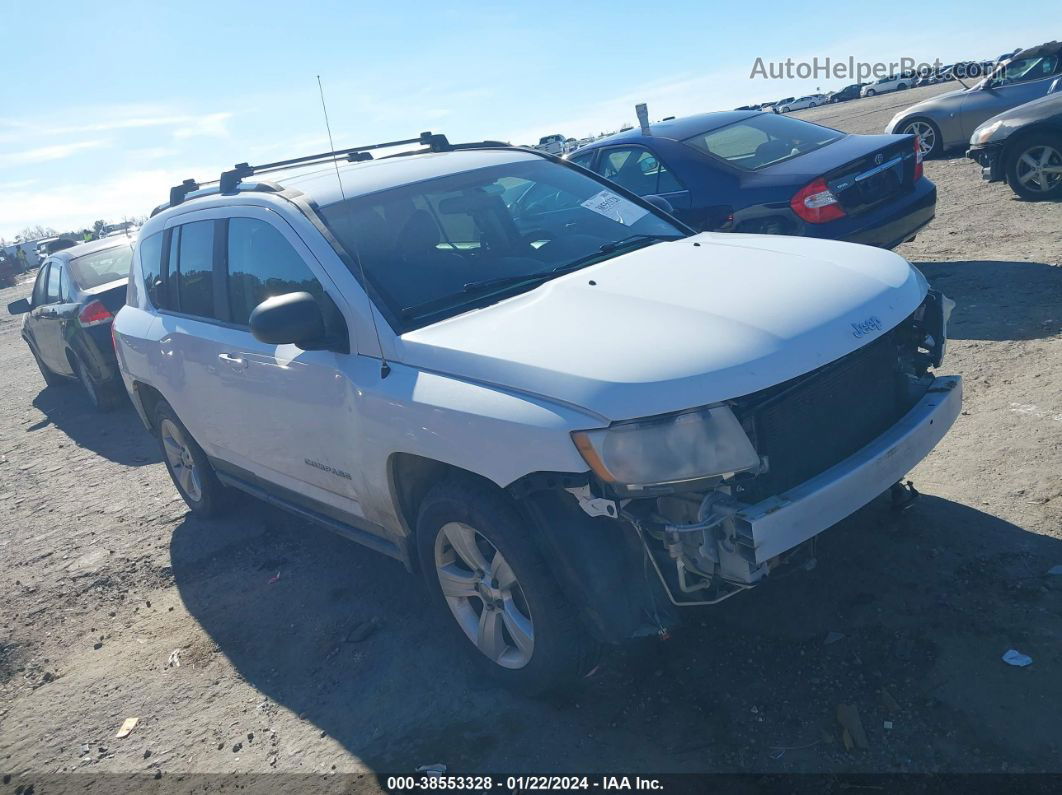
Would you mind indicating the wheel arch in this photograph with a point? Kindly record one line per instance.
(145, 399)
(1022, 135)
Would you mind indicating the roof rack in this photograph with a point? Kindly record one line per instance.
(229, 181)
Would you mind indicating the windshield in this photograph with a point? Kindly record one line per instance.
(763, 140)
(101, 267)
(439, 247)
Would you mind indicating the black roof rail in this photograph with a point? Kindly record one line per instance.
(230, 180)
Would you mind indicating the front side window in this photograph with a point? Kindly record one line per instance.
(263, 264)
(101, 267)
(763, 140)
(40, 286)
(195, 268)
(442, 246)
(1025, 69)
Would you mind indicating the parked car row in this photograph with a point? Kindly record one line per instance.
(399, 351)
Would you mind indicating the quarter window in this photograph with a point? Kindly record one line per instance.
(195, 269)
(151, 267)
(263, 264)
(54, 275)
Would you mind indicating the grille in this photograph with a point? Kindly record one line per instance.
(807, 425)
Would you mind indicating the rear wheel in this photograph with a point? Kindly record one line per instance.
(901, 87)
(492, 584)
(1034, 170)
(928, 133)
(812, 105)
(103, 396)
(188, 465)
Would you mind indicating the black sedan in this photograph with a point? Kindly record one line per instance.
(67, 322)
(847, 93)
(763, 173)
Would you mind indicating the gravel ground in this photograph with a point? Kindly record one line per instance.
(108, 583)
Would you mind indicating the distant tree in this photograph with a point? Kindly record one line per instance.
(37, 232)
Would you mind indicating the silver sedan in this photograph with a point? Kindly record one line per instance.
(947, 120)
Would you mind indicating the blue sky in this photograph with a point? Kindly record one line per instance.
(104, 106)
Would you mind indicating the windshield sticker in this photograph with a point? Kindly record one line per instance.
(617, 208)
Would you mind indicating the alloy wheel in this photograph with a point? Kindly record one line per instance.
(927, 136)
(182, 462)
(484, 595)
(1039, 168)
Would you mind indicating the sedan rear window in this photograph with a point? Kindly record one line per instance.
(764, 139)
(101, 267)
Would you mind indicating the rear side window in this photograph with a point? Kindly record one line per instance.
(39, 286)
(262, 264)
(151, 267)
(195, 269)
(638, 170)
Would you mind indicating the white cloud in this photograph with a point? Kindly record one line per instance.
(43, 154)
(210, 124)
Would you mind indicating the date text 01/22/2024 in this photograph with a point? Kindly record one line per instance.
(523, 783)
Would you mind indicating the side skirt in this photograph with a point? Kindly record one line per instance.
(356, 529)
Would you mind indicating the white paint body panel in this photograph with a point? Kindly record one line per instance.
(497, 391)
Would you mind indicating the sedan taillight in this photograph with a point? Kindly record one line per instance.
(919, 169)
(94, 313)
(816, 204)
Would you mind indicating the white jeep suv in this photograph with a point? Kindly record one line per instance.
(574, 416)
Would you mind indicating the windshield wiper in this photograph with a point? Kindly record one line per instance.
(537, 276)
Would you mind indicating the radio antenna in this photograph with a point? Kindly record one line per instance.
(385, 368)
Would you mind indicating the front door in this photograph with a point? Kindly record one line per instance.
(288, 412)
(45, 323)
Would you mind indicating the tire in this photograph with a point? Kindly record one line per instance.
(925, 130)
(1044, 149)
(785, 109)
(901, 87)
(871, 92)
(812, 105)
(102, 396)
(502, 600)
(834, 100)
(50, 378)
(188, 466)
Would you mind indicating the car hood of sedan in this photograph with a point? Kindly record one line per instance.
(677, 324)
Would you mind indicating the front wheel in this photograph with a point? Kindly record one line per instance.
(812, 105)
(493, 585)
(870, 92)
(929, 141)
(1034, 171)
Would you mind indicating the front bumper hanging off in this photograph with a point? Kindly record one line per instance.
(777, 524)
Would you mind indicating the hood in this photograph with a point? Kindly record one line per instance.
(949, 100)
(677, 325)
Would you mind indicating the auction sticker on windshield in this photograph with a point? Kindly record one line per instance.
(617, 208)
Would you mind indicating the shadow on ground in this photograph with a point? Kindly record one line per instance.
(116, 435)
(925, 603)
(1000, 300)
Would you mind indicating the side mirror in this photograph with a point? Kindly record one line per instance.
(660, 203)
(19, 307)
(294, 319)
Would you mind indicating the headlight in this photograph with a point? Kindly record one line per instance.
(983, 134)
(657, 454)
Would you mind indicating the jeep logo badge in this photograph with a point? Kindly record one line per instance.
(866, 327)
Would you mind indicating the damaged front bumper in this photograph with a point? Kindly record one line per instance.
(778, 524)
(989, 157)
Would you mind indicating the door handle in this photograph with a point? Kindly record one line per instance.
(235, 362)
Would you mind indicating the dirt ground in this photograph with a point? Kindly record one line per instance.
(106, 582)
